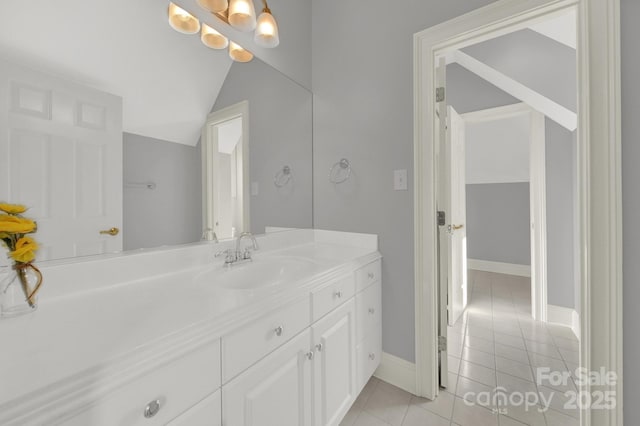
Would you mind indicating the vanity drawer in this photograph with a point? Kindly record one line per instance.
(368, 355)
(368, 311)
(368, 275)
(247, 345)
(207, 412)
(176, 386)
(327, 298)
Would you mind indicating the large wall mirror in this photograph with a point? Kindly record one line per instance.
(179, 165)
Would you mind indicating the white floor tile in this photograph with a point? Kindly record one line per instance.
(442, 405)
(474, 415)
(478, 373)
(478, 357)
(510, 352)
(514, 368)
(416, 416)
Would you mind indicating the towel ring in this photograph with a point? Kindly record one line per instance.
(342, 167)
(283, 177)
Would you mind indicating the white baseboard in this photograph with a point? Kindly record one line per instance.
(398, 372)
(499, 267)
(564, 316)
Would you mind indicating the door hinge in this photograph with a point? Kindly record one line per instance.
(442, 344)
(442, 218)
(440, 94)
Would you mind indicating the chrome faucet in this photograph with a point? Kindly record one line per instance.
(209, 235)
(246, 254)
(239, 255)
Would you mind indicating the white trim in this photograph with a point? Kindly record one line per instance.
(558, 113)
(538, 216)
(599, 142)
(564, 316)
(499, 267)
(398, 372)
(496, 113)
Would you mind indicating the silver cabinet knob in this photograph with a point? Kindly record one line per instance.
(370, 275)
(372, 356)
(338, 294)
(372, 311)
(279, 330)
(309, 355)
(319, 347)
(152, 409)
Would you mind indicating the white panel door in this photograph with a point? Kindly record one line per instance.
(275, 391)
(457, 261)
(334, 365)
(61, 155)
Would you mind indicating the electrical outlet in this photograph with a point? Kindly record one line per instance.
(400, 180)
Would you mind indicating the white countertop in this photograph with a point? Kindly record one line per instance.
(86, 333)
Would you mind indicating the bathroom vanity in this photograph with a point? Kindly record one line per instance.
(173, 336)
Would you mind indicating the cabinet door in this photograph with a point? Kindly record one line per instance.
(275, 391)
(334, 365)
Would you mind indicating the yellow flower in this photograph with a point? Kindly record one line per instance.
(25, 250)
(12, 208)
(16, 225)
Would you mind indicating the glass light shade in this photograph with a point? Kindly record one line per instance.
(214, 6)
(212, 38)
(238, 53)
(267, 30)
(182, 21)
(242, 15)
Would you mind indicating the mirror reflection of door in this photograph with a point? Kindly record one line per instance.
(226, 171)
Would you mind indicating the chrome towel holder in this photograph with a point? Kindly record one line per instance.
(340, 172)
(282, 177)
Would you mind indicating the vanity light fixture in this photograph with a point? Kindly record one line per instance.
(267, 29)
(214, 6)
(212, 38)
(238, 53)
(182, 21)
(242, 15)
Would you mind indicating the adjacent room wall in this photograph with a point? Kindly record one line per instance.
(498, 222)
(630, 12)
(171, 213)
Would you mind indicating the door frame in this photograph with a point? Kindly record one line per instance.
(537, 195)
(599, 179)
(239, 110)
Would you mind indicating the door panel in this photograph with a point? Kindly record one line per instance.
(61, 155)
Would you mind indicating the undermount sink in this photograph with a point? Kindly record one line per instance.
(258, 274)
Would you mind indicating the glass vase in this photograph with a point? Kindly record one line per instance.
(13, 294)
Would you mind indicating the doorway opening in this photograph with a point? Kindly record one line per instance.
(597, 182)
(225, 172)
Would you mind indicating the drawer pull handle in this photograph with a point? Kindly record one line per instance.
(338, 294)
(372, 311)
(279, 331)
(372, 356)
(309, 355)
(370, 275)
(152, 409)
(319, 347)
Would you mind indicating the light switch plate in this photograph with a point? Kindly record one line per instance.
(400, 180)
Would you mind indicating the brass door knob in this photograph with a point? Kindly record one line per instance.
(113, 232)
(456, 227)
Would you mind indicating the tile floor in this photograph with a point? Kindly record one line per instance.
(495, 345)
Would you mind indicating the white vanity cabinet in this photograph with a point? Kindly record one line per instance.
(207, 412)
(334, 365)
(275, 391)
(369, 322)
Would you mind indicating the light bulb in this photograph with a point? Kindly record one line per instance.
(242, 15)
(214, 6)
(238, 53)
(267, 30)
(212, 38)
(182, 21)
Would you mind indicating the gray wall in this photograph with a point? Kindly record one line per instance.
(630, 11)
(172, 213)
(363, 110)
(560, 170)
(280, 133)
(498, 222)
(467, 92)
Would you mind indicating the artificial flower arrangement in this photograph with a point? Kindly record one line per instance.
(14, 231)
